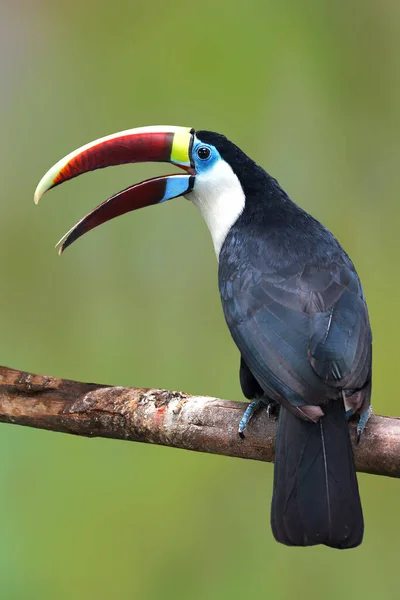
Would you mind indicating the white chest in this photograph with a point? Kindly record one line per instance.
(218, 195)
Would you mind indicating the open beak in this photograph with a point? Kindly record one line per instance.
(144, 144)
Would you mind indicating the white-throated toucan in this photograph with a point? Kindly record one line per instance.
(293, 303)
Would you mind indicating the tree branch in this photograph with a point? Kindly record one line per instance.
(169, 418)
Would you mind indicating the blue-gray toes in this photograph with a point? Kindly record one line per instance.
(364, 418)
(252, 408)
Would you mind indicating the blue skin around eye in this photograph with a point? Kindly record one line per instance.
(203, 165)
(176, 186)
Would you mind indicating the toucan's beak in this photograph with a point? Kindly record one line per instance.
(144, 144)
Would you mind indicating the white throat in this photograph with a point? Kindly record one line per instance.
(218, 195)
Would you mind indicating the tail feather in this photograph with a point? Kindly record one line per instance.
(316, 498)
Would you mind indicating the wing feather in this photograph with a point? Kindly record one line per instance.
(303, 330)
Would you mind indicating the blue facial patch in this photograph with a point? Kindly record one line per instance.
(201, 161)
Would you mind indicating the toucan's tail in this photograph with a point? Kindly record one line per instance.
(316, 498)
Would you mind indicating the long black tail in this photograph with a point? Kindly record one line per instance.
(316, 498)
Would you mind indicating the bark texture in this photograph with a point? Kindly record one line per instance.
(168, 418)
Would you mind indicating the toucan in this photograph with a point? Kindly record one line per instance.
(293, 303)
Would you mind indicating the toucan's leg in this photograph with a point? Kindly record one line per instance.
(353, 408)
(252, 408)
(253, 391)
(364, 418)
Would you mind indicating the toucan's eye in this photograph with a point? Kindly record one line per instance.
(203, 152)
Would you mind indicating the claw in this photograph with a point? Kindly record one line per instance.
(271, 408)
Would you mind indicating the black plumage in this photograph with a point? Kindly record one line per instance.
(296, 310)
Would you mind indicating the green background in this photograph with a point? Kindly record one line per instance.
(311, 91)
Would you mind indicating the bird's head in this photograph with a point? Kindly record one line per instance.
(216, 179)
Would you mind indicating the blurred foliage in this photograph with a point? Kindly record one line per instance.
(311, 91)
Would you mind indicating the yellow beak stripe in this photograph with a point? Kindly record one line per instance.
(181, 146)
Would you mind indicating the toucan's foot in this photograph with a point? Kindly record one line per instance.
(364, 418)
(252, 408)
(272, 409)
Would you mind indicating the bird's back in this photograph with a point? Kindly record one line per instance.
(294, 305)
(296, 310)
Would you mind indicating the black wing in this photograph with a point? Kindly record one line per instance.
(302, 329)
